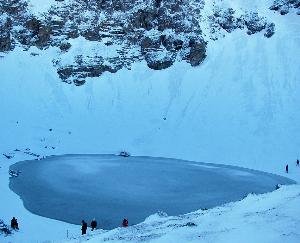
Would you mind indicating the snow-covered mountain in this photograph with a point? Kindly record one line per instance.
(238, 104)
(213, 81)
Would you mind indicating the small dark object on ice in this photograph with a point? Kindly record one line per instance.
(83, 227)
(50, 130)
(14, 173)
(190, 224)
(124, 154)
(125, 223)
(297, 162)
(32, 154)
(278, 186)
(94, 224)
(4, 228)
(8, 156)
(14, 224)
(287, 168)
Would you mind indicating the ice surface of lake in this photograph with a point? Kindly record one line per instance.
(108, 187)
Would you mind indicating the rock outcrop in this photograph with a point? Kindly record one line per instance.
(119, 33)
(284, 6)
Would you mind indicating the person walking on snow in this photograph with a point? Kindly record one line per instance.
(83, 227)
(94, 224)
(297, 162)
(287, 168)
(14, 224)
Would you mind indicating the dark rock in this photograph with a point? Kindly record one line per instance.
(144, 18)
(73, 33)
(167, 42)
(33, 25)
(158, 29)
(284, 10)
(160, 64)
(147, 43)
(178, 44)
(254, 23)
(43, 36)
(190, 224)
(92, 34)
(65, 46)
(284, 6)
(124, 154)
(79, 82)
(8, 156)
(108, 43)
(4, 229)
(6, 43)
(270, 30)
(197, 52)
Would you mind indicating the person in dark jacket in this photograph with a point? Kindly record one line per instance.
(125, 223)
(14, 223)
(287, 168)
(83, 227)
(297, 162)
(94, 224)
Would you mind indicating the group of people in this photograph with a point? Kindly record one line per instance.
(94, 224)
(287, 166)
(84, 226)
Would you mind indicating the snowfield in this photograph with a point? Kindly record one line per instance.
(240, 107)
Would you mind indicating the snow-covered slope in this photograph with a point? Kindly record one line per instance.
(267, 218)
(240, 106)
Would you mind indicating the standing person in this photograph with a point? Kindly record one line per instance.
(287, 168)
(125, 223)
(14, 224)
(94, 224)
(83, 227)
(297, 162)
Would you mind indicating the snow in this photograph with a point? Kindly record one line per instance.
(240, 107)
(40, 6)
(267, 218)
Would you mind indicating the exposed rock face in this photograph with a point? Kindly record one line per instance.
(270, 30)
(119, 33)
(197, 52)
(228, 20)
(284, 6)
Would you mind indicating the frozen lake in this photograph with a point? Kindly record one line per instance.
(108, 187)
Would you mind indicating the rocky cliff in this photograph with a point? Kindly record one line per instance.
(120, 33)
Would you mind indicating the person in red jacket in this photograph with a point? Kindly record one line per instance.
(125, 223)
